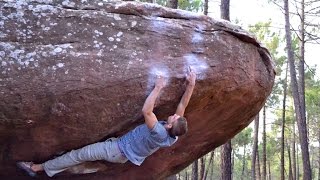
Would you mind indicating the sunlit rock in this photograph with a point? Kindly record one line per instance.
(77, 72)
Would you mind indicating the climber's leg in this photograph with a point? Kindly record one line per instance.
(107, 150)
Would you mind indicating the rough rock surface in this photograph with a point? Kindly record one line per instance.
(76, 72)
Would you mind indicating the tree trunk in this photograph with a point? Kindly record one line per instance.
(224, 9)
(301, 84)
(226, 161)
(290, 162)
(264, 154)
(255, 147)
(319, 155)
(311, 159)
(186, 175)
(298, 166)
(297, 104)
(243, 162)
(212, 167)
(294, 158)
(269, 169)
(202, 167)
(283, 123)
(258, 165)
(205, 7)
(172, 177)
(232, 164)
(172, 4)
(226, 149)
(209, 164)
(195, 170)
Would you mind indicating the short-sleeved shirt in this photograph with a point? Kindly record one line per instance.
(141, 142)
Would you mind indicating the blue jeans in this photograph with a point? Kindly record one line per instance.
(107, 150)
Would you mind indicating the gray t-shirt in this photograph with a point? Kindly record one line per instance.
(141, 142)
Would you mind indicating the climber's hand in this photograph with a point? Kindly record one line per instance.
(160, 81)
(191, 77)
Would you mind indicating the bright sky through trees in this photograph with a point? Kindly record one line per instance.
(249, 12)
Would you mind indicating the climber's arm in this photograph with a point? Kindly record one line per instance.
(147, 110)
(191, 78)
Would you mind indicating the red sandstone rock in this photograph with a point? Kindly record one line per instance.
(75, 73)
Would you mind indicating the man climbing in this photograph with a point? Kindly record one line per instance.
(134, 146)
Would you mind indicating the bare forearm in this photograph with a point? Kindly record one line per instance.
(150, 101)
(191, 79)
(187, 95)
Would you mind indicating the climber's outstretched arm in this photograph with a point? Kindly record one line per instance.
(191, 78)
(147, 110)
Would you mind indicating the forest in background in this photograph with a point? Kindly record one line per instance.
(283, 140)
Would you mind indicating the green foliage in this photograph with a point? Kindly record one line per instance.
(190, 5)
(295, 43)
(162, 2)
(243, 138)
(272, 41)
(312, 95)
(241, 143)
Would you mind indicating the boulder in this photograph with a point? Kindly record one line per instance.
(76, 72)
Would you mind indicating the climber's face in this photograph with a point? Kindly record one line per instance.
(172, 119)
(176, 125)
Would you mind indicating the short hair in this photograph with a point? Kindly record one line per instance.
(179, 127)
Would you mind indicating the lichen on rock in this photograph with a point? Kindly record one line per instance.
(76, 72)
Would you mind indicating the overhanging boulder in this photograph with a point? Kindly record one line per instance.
(74, 73)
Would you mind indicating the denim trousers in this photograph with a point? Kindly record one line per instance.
(107, 150)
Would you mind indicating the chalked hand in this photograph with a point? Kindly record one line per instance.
(160, 81)
(191, 76)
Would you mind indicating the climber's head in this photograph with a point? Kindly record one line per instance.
(177, 125)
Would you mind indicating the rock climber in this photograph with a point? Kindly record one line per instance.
(134, 146)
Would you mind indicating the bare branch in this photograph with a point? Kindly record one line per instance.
(314, 13)
(312, 72)
(296, 32)
(292, 13)
(313, 42)
(310, 2)
(313, 9)
(312, 35)
(313, 25)
(297, 56)
(297, 11)
(295, 1)
(274, 27)
(279, 6)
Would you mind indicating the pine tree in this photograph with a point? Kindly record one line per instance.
(294, 85)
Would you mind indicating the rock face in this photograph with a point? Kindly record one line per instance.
(76, 72)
